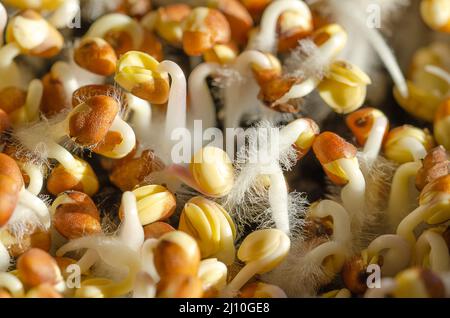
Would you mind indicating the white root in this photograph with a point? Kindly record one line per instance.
(176, 108)
(36, 177)
(397, 256)
(12, 284)
(266, 39)
(375, 140)
(401, 197)
(131, 231)
(201, 102)
(432, 248)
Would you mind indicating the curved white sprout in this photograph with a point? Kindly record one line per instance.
(439, 72)
(40, 209)
(431, 248)
(274, 250)
(397, 256)
(417, 149)
(131, 231)
(36, 177)
(341, 219)
(176, 108)
(128, 139)
(63, 16)
(141, 119)
(353, 193)
(323, 252)
(400, 196)
(213, 274)
(12, 284)
(266, 39)
(3, 22)
(375, 140)
(426, 213)
(241, 93)
(201, 102)
(116, 21)
(5, 258)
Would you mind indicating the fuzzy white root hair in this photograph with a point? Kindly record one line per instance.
(300, 275)
(30, 140)
(249, 200)
(305, 61)
(368, 223)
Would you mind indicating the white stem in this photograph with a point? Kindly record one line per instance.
(88, 260)
(299, 90)
(142, 116)
(5, 259)
(266, 39)
(290, 133)
(383, 50)
(243, 63)
(3, 21)
(400, 198)
(31, 201)
(241, 94)
(176, 107)
(279, 199)
(128, 138)
(411, 221)
(65, 14)
(397, 256)
(353, 193)
(439, 72)
(245, 274)
(7, 54)
(341, 219)
(12, 284)
(62, 155)
(33, 101)
(201, 102)
(415, 147)
(326, 251)
(431, 245)
(65, 74)
(131, 231)
(375, 140)
(117, 21)
(36, 178)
